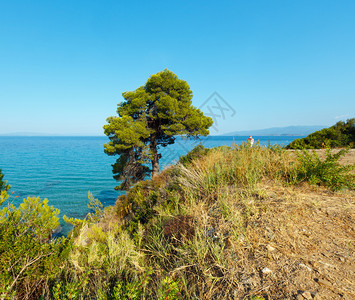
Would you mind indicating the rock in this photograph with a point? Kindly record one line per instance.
(323, 282)
(266, 271)
(307, 295)
(329, 266)
(306, 267)
(270, 248)
(250, 282)
(304, 295)
(241, 239)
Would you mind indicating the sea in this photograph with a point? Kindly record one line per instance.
(64, 169)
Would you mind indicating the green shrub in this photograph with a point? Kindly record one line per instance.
(3, 184)
(137, 206)
(197, 152)
(170, 289)
(328, 172)
(342, 134)
(29, 257)
(135, 289)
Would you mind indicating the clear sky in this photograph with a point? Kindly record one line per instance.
(64, 64)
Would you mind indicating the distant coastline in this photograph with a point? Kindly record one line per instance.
(253, 134)
(274, 131)
(278, 131)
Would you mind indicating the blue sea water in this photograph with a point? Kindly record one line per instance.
(64, 169)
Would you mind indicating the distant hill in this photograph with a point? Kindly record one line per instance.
(342, 134)
(279, 131)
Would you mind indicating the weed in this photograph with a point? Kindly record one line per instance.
(170, 289)
(197, 152)
(328, 171)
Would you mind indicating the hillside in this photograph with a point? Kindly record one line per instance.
(277, 131)
(342, 134)
(227, 225)
(224, 223)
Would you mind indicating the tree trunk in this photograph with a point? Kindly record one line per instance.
(155, 158)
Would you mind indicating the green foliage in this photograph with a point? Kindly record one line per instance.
(328, 172)
(28, 255)
(108, 267)
(196, 152)
(134, 289)
(342, 134)
(170, 289)
(3, 184)
(71, 288)
(94, 216)
(141, 203)
(150, 118)
(97, 209)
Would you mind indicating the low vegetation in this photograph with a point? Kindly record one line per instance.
(342, 134)
(326, 171)
(29, 257)
(225, 223)
(3, 184)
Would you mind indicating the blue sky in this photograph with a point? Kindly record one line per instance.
(64, 64)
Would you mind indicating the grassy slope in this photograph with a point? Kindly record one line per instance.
(228, 225)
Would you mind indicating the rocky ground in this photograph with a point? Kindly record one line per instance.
(307, 245)
(304, 242)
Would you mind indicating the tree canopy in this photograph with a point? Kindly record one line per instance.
(149, 118)
(342, 134)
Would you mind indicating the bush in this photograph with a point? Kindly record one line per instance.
(342, 134)
(328, 172)
(29, 257)
(197, 152)
(3, 184)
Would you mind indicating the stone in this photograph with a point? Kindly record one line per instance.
(270, 248)
(307, 295)
(250, 281)
(306, 267)
(323, 282)
(266, 271)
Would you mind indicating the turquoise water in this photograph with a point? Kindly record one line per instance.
(64, 169)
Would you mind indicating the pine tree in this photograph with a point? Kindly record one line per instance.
(151, 117)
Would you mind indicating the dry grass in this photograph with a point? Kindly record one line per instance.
(247, 219)
(230, 226)
(298, 233)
